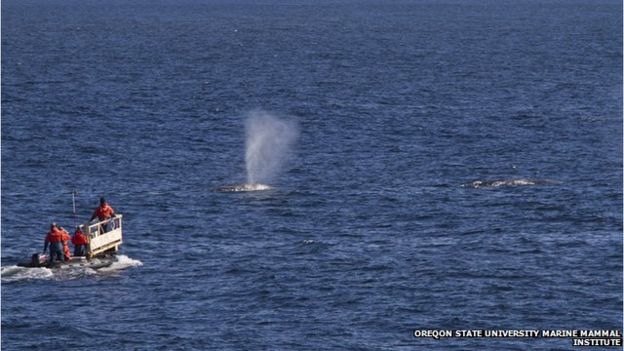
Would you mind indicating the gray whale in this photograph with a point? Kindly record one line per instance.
(496, 183)
(243, 187)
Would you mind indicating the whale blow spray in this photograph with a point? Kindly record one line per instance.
(269, 142)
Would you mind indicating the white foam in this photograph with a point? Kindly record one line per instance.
(66, 272)
(244, 187)
(121, 262)
(507, 182)
(254, 187)
(512, 182)
(16, 273)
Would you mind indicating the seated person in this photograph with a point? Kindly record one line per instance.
(80, 241)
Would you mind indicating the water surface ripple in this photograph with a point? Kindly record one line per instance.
(369, 230)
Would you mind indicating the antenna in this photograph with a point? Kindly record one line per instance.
(74, 205)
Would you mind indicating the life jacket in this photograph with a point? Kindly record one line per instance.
(104, 211)
(66, 252)
(54, 236)
(80, 239)
(65, 236)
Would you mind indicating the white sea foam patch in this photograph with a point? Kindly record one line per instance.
(256, 187)
(15, 273)
(121, 262)
(66, 272)
(243, 187)
(497, 183)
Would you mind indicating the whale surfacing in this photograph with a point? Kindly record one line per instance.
(230, 188)
(496, 183)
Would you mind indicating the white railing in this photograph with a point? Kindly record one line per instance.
(99, 228)
(104, 236)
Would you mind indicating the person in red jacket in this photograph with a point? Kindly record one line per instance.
(80, 241)
(103, 212)
(56, 239)
(53, 240)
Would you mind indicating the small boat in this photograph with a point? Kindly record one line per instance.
(105, 237)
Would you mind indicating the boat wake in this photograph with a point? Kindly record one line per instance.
(243, 187)
(16, 273)
(497, 183)
(121, 262)
(67, 272)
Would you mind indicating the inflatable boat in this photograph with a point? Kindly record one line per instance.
(105, 238)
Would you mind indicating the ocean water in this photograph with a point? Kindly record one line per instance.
(372, 228)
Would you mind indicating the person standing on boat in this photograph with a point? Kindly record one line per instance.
(54, 239)
(104, 212)
(80, 241)
(65, 238)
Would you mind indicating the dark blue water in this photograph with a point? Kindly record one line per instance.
(368, 232)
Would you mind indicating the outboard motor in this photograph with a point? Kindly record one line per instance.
(38, 260)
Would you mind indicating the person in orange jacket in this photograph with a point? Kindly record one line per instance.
(80, 241)
(103, 212)
(54, 239)
(66, 239)
(57, 239)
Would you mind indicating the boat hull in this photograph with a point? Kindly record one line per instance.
(41, 260)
